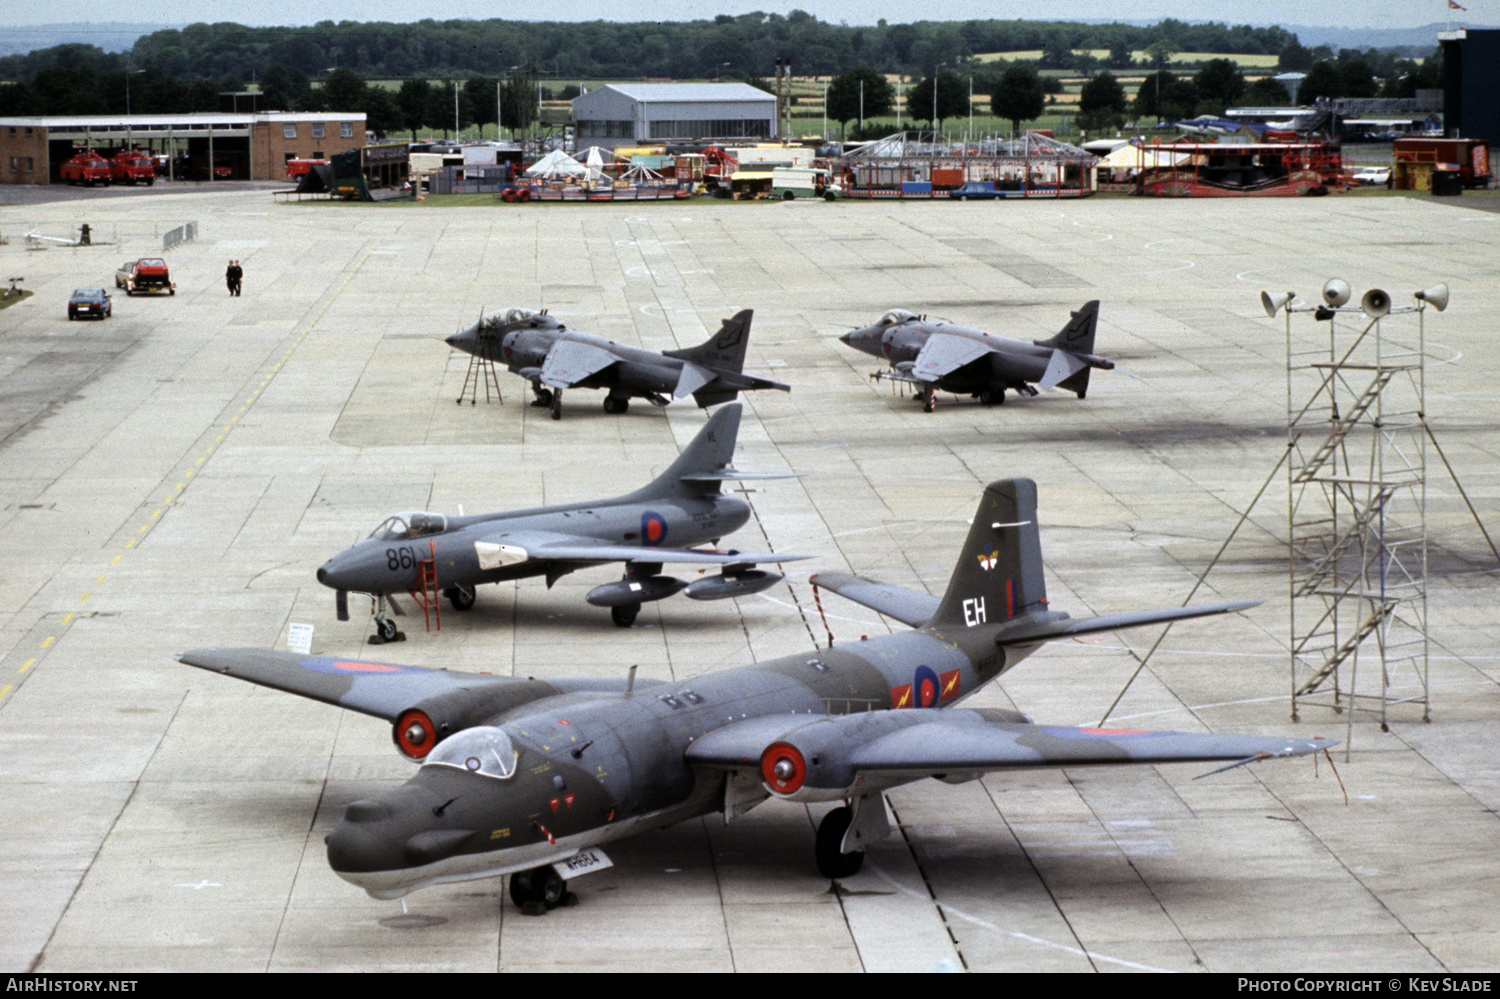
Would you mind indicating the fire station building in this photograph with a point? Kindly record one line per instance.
(250, 146)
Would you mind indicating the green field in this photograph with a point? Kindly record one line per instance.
(1245, 60)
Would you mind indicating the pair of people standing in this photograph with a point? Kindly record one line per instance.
(233, 276)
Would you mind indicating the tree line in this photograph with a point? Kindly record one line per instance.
(1018, 93)
(740, 46)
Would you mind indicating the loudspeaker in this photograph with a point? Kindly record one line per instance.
(1376, 303)
(1335, 292)
(1436, 296)
(1273, 303)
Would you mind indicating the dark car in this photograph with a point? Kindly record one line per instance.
(974, 189)
(90, 302)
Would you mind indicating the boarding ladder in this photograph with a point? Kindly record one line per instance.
(424, 591)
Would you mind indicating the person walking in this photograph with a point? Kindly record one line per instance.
(229, 277)
(235, 275)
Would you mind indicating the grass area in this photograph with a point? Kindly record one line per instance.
(21, 295)
(1245, 60)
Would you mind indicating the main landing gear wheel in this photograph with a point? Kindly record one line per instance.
(624, 615)
(992, 397)
(929, 401)
(831, 863)
(538, 890)
(461, 597)
(616, 404)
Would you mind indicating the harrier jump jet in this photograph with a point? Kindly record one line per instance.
(421, 552)
(552, 357)
(934, 355)
(529, 777)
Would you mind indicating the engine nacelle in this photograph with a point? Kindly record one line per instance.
(423, 725)
(634, 591)
(725, 585)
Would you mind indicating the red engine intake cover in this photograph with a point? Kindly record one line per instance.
(415, 734)
(785, 757)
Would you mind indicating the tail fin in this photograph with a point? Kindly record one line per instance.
(725, 350)
(999, 571)
(711, 450)
(1078, 335)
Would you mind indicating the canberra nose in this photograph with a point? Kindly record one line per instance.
(354, 847)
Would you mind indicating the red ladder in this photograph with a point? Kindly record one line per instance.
(425, 590)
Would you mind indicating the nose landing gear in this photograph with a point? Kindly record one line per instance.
(540, 890)
(385, 628)
(541, 395)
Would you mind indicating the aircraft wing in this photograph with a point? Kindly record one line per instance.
(943, 354)
(515, 547)
(570, 362)
(957, 740)
(384, 690)
(911, 607)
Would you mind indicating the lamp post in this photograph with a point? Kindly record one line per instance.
(935, 73)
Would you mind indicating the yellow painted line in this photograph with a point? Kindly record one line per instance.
(156, 513)
(85, 598)
(116, 559)
(218, 438)
(129, 544)
(27, 665)
(6, 689)
(235, 419)
(181, 486)
(143, 529)
(188, 474)
(209, 449)
(69, 616)
(242, 409)
(198, 462)
(101, 577)
(47, 642)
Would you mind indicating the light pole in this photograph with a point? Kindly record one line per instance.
(455, 111)
(935, 73)
(971, 109)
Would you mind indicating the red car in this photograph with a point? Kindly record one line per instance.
(145, 275)
(296, 168)
(86, 168)
(131, 166)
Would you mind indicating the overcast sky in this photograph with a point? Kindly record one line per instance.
(1351, 13)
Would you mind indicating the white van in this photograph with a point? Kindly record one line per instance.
(803, 182)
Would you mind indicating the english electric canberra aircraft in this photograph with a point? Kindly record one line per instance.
(658, 523)
(552, 357)
(934, 355)
(529, 777)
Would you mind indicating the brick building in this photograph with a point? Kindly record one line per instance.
(248, 146)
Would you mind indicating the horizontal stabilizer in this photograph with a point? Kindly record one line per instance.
(735, 475)
(1025, 631)
(911, 607)
(1062, 367)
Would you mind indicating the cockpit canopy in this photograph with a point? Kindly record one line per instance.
(895, 317)
(406, 526)
(507, 317)
(483, 750)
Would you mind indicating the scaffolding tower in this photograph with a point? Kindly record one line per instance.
(1357, 502)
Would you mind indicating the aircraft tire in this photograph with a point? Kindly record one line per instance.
(543, 396)
(929, 402)
(557, 405)
(992, 397)
(624, 615)
(833, 864)
(461, 597)
(386, 629)
(538, 885)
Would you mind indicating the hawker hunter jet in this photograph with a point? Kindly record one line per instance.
(552, 357)
(934, 355)
(529, 777)
(425, 553)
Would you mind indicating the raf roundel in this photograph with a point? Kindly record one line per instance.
(653, 528)
(926, 689)
(345, 667)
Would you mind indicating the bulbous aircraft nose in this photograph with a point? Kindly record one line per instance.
(356, 847)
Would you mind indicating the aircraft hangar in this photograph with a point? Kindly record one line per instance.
(173, 477)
